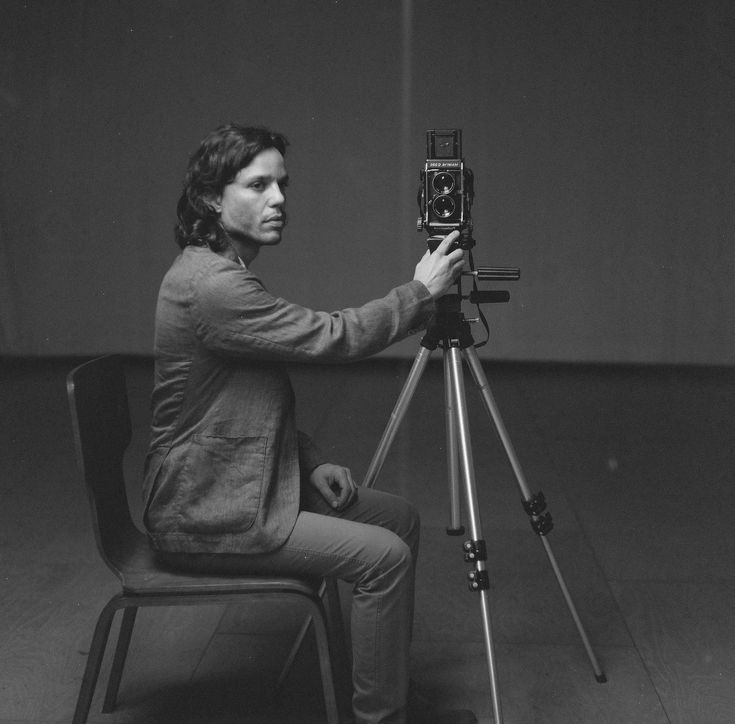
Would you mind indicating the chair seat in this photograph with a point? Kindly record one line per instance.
(142, 574)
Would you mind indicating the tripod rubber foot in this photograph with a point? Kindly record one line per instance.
(601, 679)
(456, 531)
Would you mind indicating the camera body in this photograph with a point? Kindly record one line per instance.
(446, 189)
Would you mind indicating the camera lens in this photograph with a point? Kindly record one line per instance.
(443, 182)
(443, 206)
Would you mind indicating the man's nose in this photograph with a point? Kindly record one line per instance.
(277, 197)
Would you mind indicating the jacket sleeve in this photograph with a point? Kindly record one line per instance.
(235, 315)
(310, 456)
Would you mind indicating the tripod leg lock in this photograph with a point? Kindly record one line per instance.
(542, 524)
(536, 504)
(475, 550)
(479, 580)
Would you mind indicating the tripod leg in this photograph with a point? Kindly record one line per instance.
(455, 523)
(475, 549)
(399, 411)
(541, 524)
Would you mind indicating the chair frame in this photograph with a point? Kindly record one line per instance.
(101, 425)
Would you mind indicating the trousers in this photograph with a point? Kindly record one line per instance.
(373, 545)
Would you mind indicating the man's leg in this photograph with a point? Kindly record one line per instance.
(381, 645)
(379, 564)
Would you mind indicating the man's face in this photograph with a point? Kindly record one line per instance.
(253, 205)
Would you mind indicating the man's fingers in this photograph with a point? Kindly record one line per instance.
(447, 241)
(348, 488)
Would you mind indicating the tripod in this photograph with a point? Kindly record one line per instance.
(451, 330)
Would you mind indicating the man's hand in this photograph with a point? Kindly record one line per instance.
(439, 270)
(335, 484)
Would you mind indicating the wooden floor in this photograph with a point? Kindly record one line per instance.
(636, 463)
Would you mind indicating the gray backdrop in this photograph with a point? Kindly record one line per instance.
(601, 136)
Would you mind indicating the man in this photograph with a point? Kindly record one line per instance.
(230, 484)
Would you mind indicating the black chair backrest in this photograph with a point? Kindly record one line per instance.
(101, 425)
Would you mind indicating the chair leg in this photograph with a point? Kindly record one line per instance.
(341, 661)
(118, 662)
(300, 636)
(334, 611)
(94, 660)
(329, 632)
(325, 661)
(329, 592)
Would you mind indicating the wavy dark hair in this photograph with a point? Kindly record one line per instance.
(214, 165)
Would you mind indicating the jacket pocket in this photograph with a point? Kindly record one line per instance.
(221, 484)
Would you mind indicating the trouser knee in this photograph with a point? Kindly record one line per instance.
(391, 566)
(409, 523)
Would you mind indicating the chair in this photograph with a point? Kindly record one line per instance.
(102, 431)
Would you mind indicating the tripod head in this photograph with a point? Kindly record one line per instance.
(491, 273)
(450, 323)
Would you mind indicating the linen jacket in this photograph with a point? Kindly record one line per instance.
(225, 463)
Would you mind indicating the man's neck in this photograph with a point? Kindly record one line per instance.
(245, 250)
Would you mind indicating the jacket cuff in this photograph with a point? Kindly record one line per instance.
(310, 456)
